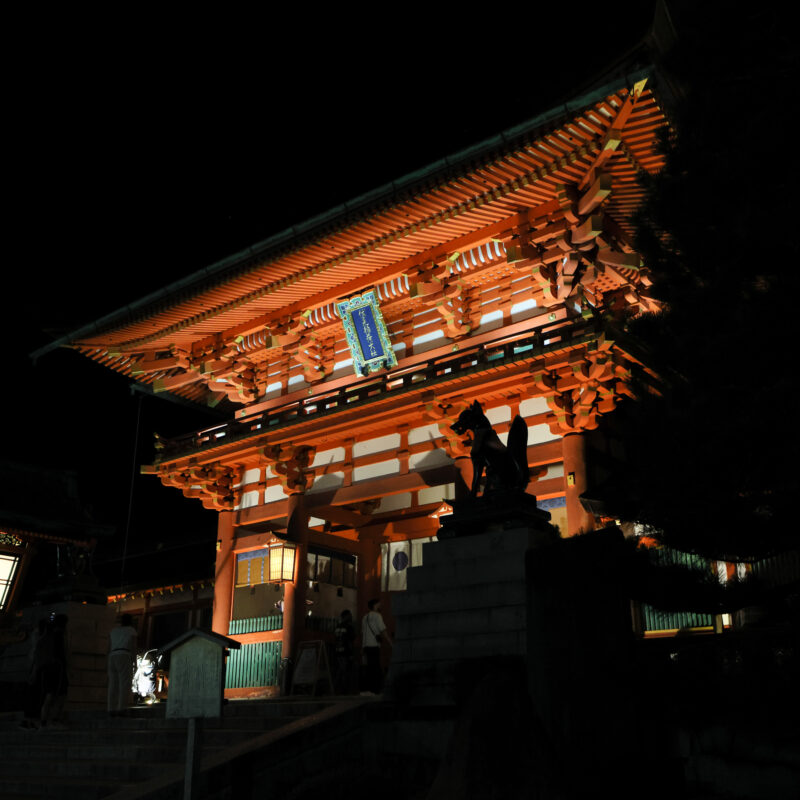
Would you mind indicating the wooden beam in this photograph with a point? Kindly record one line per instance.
(342, 516)
(146, 365)
(595, 194)
(383, 274)
(175, 381)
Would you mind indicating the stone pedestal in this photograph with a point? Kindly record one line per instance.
(467, 602)
(87, 649)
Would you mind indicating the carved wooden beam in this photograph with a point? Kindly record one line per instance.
(579, 397)
(437, 288)
(291, 465)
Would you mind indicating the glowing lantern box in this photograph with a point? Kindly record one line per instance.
(197, 673)
(366, 333)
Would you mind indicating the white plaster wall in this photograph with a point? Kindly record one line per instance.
(499, 414)
(427, 339)
(273, 390)
(325, 457)
(394, 502)
(555, 471)
(430, 458)
(425, 433)
(519, 309)
(249, 499)
(377, 445)
(376, 470)
(540, 433)
(490, 321)
(435, 494)
(251, 476)
(533, 405)
(273, 493)
(331, 480)
(296, 382)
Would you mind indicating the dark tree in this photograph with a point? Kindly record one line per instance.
(711, 461)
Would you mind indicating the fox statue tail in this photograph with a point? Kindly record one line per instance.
(518, 448)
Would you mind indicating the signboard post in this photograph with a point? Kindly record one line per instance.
(312, 666)
(197, 676)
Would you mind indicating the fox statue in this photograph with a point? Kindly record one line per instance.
(506, 466)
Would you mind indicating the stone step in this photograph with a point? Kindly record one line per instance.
(122, 769)
(240, 721)
(63, 788)
(96, 755)
(133, 737)
(154, 753)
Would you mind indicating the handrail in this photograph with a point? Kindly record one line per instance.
(519, 347)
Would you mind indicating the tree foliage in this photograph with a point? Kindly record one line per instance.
(711, 459)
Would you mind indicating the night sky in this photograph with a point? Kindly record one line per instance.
(152, 151)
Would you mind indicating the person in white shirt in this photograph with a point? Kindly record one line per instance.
(373, 632)
(121, 662)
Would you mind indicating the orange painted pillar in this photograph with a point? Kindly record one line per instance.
(464, 475)
(294, 592)
(223, 574)
(368, 580)
(573, 448)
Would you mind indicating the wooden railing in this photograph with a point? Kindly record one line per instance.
(274, 622)
(468, 360)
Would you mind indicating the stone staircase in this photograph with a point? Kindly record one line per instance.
(141, 754)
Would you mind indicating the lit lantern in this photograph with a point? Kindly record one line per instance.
(281, 562)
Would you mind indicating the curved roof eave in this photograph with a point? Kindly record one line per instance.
(315, 226)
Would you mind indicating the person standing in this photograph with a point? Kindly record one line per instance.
(373, 633)
(50, 661)
(121, 661)
(345, 634)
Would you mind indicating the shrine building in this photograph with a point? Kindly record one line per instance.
(343, 349)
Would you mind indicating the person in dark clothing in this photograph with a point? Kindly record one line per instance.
(51, 663)
(345, 634)
(33, 691)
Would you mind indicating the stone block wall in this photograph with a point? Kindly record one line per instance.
(467, 601)
(87, 648)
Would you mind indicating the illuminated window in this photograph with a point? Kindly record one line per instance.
(8, 569)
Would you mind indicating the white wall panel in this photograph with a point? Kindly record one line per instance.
(331, 480)
(499, 414)
(533, 405)
(425, 433)
(540, 433)
(377, 445)
(368, 471)
(394, 502)
(273, 493)
(252, 476)
(435, 494)
(325, 457)
(428, 459)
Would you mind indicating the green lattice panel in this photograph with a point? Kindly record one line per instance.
(253, 665)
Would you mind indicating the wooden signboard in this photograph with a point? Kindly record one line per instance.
(311, 667)
(366, 334)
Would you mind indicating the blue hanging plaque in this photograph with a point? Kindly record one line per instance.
(366, 333)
